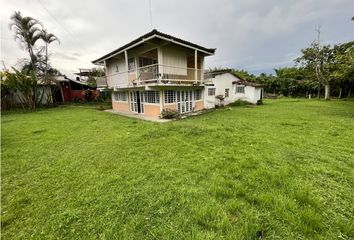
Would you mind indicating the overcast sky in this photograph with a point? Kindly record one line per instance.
(255, 35)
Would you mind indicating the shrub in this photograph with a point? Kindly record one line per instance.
(88, 95)
(100, 108)
(240, 103)
(169, 113)
(221, 100)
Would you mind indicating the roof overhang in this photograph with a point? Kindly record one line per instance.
(248, 83)
(151, 35)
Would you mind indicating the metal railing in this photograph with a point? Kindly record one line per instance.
(155, 74)
(101, 82)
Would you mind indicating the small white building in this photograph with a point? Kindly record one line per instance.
(231, 87)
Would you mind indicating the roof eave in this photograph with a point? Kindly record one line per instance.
(146, 37)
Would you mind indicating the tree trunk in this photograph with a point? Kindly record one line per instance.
(327, 91)
(32, 57)
(340, 93)
(350, 89)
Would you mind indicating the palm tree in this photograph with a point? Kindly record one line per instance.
(47, 39)
(27, 31)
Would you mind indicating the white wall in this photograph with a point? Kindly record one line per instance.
(251, 94)
(221, 82)
(177, 58)
(116, 78)
(117, 61)
(224, 81)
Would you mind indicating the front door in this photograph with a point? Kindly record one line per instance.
(185, 101)
(136, 103)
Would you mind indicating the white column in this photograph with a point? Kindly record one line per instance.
(126, 65)
(106, 72)
(195, 64)
(160, 62)
(136, 67)
(202, 70)
(161, 100)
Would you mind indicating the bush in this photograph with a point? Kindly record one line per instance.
(169, 113)
(240, 103)
(221, 100)
(100, 108)
(88, 95)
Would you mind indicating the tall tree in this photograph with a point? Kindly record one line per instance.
(319, 59)
(47, 38)
(27, 32)
(343, 71)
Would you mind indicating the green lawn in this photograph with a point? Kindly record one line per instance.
(284, 170)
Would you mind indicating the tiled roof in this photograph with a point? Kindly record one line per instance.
(240, 81)
(248, 83)
(155, 32)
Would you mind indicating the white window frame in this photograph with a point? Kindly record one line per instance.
(227, 92)
(120, 96)
(211, 91)
(240, 89)
(152, 97)
(170, 96)
(198, 94)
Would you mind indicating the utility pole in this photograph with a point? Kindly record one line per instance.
(318, 62)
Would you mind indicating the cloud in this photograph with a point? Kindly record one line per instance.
(64, 56)
(255, 35)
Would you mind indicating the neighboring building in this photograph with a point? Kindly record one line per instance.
(74, 90)
(231, 87)
(154, 72)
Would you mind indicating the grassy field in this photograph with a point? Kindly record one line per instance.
(284, 170)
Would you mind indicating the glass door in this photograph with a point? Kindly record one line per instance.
(133, 102)
(137, 101)
(185, 101)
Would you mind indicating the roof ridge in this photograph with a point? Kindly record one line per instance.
(149, 34)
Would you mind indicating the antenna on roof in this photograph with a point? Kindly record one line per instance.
(150, 14)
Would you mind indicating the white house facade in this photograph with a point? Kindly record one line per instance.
(155, 72)
(230, 87)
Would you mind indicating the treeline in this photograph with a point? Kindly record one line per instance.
(322, 71)
(31, 85)
(34, 83)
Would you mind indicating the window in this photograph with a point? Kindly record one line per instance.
(117, 68)
(146, 61)
(131, 64)
(211, 91)
(240, 89)
(227, 92)
(170, 96)
(198, 94)
(151, 97)
(120, 96)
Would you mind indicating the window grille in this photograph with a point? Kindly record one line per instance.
(211, 91)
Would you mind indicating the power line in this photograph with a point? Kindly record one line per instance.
(150, 14)
(77, 42)
(56, 20)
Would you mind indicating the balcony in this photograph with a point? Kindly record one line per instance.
(101, 82)
(155, 74)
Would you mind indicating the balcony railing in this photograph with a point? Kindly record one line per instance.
(155, 74)
(101, 82)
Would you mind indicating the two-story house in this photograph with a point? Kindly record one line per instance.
(154, 72)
